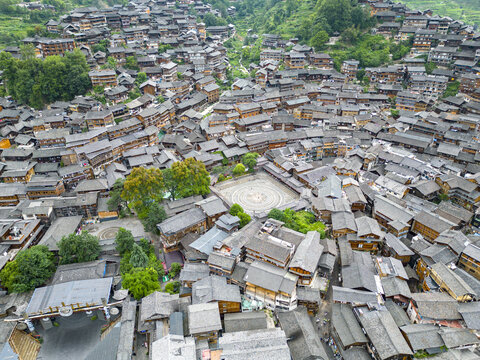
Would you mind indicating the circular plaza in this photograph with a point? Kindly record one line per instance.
(256, 193)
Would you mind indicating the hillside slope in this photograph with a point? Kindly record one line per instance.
(466, 10)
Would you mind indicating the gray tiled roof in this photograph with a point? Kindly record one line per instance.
(346, 326)
(384, 334)
(422, 336)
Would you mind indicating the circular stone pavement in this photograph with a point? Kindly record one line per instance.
(108, 233)
(260, 193)
(257, 197)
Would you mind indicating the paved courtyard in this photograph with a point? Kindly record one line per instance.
(108, 229)
(75, 338)
(256, 193)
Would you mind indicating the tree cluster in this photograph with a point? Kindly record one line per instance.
(145, 187)
(301, 221)
(38, 82)
(78, 248)
(139, 265)
(237, 210)
(30, 269)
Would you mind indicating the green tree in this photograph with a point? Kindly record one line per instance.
(192, 177)
(131, 63)
(452, 89)
(156, 214)
(78, 248)
(171, 183)
(124, 241)
(239, 170)
(138, 259)
(236, 209)
(141, 78)
(111, 63)
(32, 267)
(125, 265)
(164, 47)
(27, 51)
(319, 40)
(276, 214)
(244, 219)
(337, 13)
(101, 46)
(153, 262)
(250, 160)
(146, 246)
(429, 67)
(36, 82)
(172, 287)
(115, 201)
(142, 187)
(141, 282)
(175, 269)
(9, 275)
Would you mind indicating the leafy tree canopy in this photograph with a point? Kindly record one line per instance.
(172, 287)
(38, 82)
(250, 160)
(142, 187)
(239, 170)
(175, 269)
(141, 282)
(30, 269)
(156, 214)
(244, 219)
(78, 248)
(124, 241)
(301, 221)
(191, 176)
(138, 258)
(115, 202)
(235, 209)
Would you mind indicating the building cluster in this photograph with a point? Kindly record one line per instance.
(392, 170)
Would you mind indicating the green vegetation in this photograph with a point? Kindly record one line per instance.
(141, 282)
(303, 19)
(237, 210)
(466, 10)
(38, 82)
(312, 22)
(172, 287)
(115, 201)
(175, 269)
(30, 269)
(301, 221)
(192, 177)
(155, 215)
(250, 160)
(78, 248)
(147, 249)
(138, 258)
(124, 241)
(452, 89)
(369, 50)
(139, 266)
(239, 170)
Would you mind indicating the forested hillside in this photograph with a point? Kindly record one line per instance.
(38, 82)
(17, 22)
(466, 10)
(313, 22)
(301, 18)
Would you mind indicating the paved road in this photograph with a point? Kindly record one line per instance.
(324, 330)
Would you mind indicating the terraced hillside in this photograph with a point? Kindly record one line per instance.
(466, 10)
